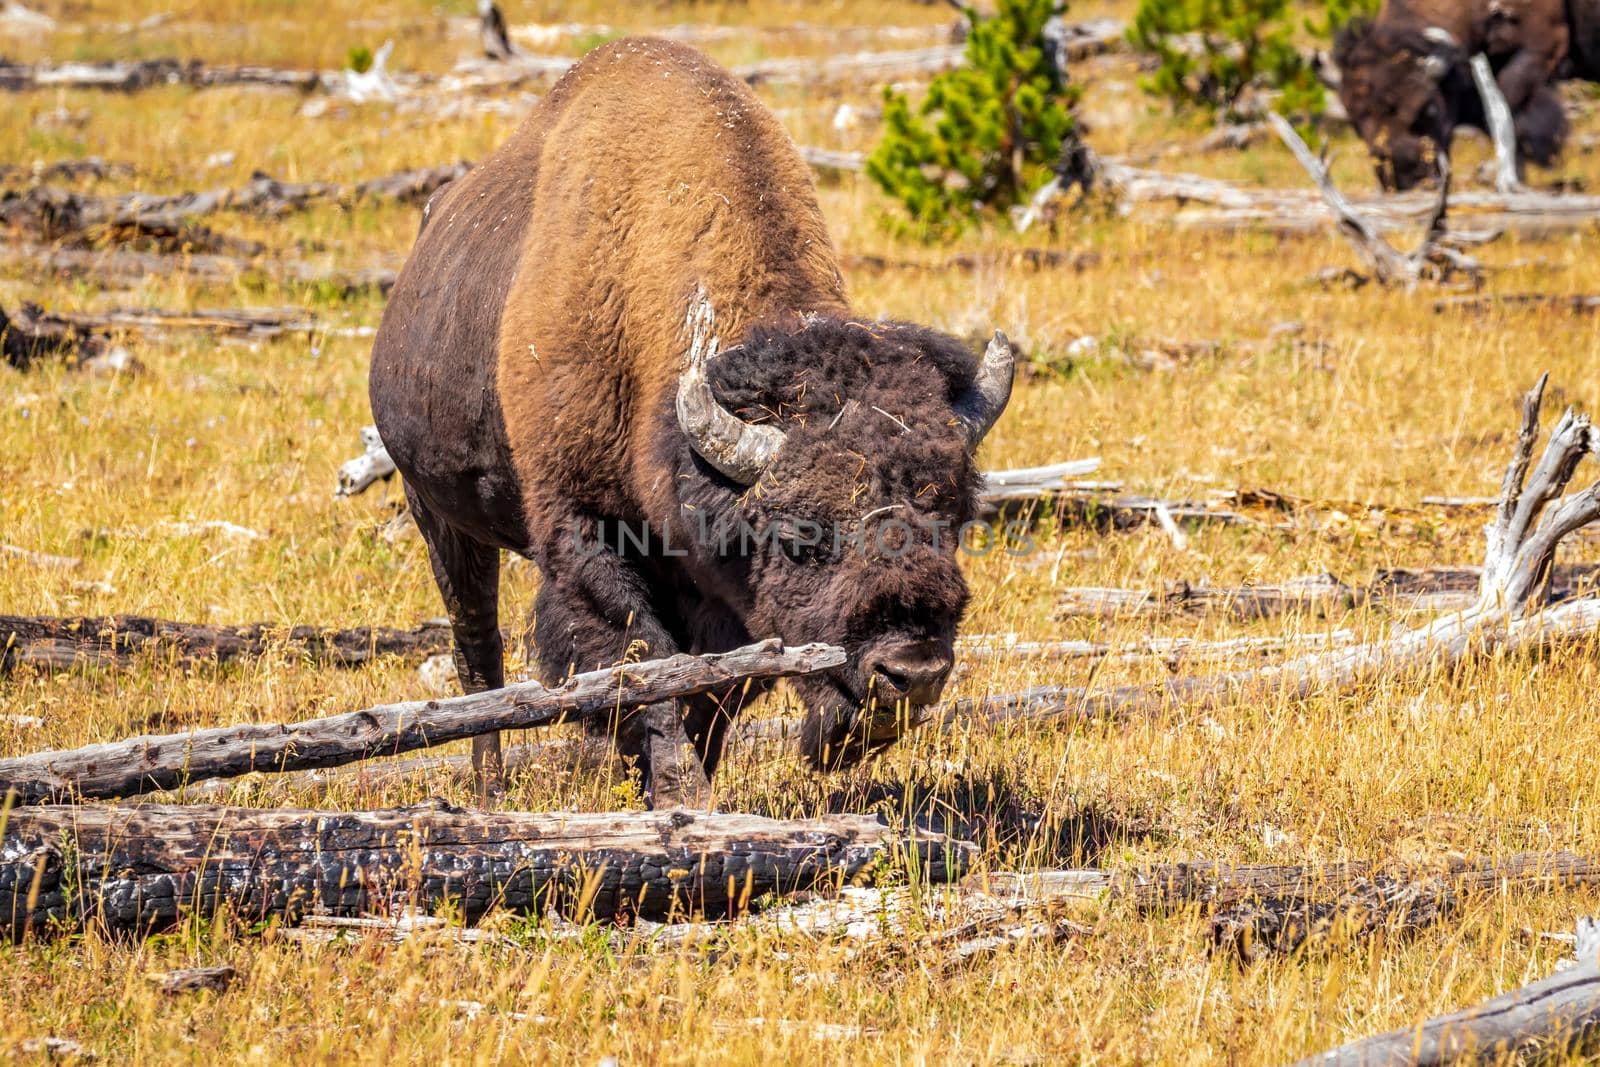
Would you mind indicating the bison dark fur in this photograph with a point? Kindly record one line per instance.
(545, 381)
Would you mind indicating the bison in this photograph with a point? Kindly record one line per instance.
(1404, 82)
(548, 382)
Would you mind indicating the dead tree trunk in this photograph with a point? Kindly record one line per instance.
(1517, 565)
(1502, 129)
(143, 869)
(1550, 1014)
(52, 213)
(61, 643)
(142, 764)
(1397, 588)
(1389, 267)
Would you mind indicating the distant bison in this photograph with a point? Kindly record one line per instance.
(544, 380)
(1404, 81)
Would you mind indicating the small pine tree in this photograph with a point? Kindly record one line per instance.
(1213, 51)
(986, 133)
(1335, 13)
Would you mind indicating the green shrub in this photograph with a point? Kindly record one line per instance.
(1212, 52)
(986, 134)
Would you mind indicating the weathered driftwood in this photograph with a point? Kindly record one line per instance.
(1230, 206)
(979, 648)
(1502, 129)
(373, 465)
(143, 764)
(1550, 1015)
(85, 337)
(54, 213)
(142, 74)
(122, 267)
(1432, 258)
(136, 870)
(1517, 563)
(56, 643)
(1395, 588)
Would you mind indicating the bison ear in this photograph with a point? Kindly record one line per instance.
(982, 404)
(738, 449)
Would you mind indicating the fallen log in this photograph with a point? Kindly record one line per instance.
(1553, 1014)
(52, 213)
(1396, 588)
(85, 338)
(1521, 546)
(140, 870)
(142, 74)
(121, 267)
(54, 643)
(29, 335)
(143, 764)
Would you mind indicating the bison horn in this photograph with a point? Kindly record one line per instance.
(738, 449)
(1438, 62)
(981, 405)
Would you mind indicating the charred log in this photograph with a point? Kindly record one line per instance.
(137, 871)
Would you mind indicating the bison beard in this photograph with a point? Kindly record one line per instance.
(548, 375)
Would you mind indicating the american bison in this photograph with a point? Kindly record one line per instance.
(1404, 81)
(546, 381)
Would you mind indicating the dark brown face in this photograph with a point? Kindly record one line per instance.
(859, 536)
(849, 529)
(1391, 90)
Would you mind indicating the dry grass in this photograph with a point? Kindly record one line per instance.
(1380, 402)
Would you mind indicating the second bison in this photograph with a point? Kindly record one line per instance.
(1404, 81)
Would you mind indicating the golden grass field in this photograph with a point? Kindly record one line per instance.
(1376, 402)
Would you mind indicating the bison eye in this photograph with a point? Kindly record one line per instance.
(803, 542)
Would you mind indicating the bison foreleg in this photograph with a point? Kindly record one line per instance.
(593, 610)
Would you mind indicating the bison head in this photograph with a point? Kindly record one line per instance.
(1397, 87)
(834, 461)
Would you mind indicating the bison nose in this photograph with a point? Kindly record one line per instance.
(911, 672)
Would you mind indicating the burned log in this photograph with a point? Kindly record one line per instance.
(143, 764)
(1554, 1013)
(29, 335)
(54, 643)
(1508, 613)
(140, 870)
